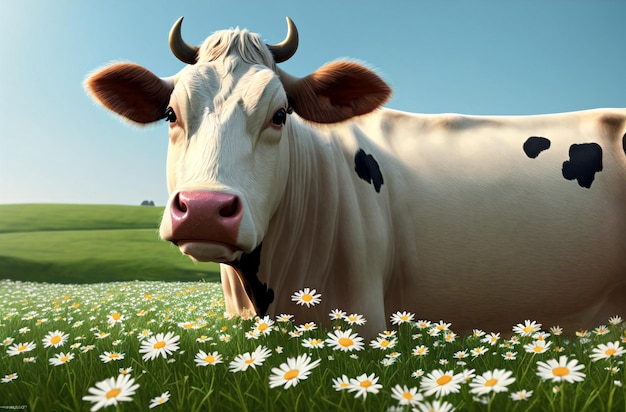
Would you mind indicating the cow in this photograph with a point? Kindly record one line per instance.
(289, 182)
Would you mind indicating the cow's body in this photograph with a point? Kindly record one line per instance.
(466, 227)
(480, 221)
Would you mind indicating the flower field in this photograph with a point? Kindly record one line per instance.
(169, 346)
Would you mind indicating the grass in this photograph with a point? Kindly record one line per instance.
(90, 243)
(193, 312)
(71, 245)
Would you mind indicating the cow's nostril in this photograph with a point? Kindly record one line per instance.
(179, 203)
(230, 209)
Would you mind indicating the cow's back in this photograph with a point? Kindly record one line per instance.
(506, 217)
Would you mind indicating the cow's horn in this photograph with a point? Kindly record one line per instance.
(182, 50)
(284, 50)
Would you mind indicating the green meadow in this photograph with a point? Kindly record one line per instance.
(89, 244)
(130, 343)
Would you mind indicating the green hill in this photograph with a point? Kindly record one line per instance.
(90, 243)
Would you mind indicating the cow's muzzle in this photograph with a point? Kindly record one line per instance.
(205, 225)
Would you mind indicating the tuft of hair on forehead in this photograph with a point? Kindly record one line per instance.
(237, 43)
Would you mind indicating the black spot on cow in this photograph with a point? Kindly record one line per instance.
(260, 295)
(585, 160)
(535, 145)
(367, 168)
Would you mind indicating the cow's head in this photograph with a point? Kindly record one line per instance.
(229, 129)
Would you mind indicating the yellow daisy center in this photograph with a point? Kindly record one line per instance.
(55, 339)
(159, 345)
(366, 383)
(113, 393)
(407, 395)
(528, 329)
(64, 358)
(209, 359)
(538, 349)
(291, 374)
(22, 348)
(116, 316)
(491, 382)
(307, 297)
(443, 380)
(560, 371)
(610, 352)
(315, 342)
(384, 343)
(114, 355)
(345, 342)
(262, 327)
(249, 361)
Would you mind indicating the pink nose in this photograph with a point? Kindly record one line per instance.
(205, 216)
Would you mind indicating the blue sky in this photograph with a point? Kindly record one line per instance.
(475, 57)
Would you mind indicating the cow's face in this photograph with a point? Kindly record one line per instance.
(230, 132)
(227, 160)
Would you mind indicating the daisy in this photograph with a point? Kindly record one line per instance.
(527, 328)
(8, 378)
(309, 326)
(477, 333)
(538, 346)
(55, 339)
(306, 297)
(479, 351)
(364, 384)
(126, 371)
(293, 371)
(188, 325)
(556, 331)
(253, 334)
(441, 326)
(107, 357)
(561, 370)
(111, 391)
(401, 317)
(449, 336)
(423, 324)
(345, 340)
(492, 381)
(161, 344)
(434, 406)
(607, 351)
(160, 400)
(491, 338)
(420, 350)
(283, 318)
(7, 341)
(253, 359)
(114, 318)
(615, 320)
(355, 319)
(417, 374)
(341, 383)
(145, 333)
(509, 355)
(313, 343)
(383, 343)
(61, 358)
(601, 330)
(461, 354)
(522, 395)
(102, 335)
(21, 348)
(406, 395)
(205, 359)
(441, 383)
(264, 325)
(337, 314)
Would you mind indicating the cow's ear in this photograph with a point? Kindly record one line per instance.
(131, 91)
(336, 92)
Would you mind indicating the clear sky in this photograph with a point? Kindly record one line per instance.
(476, 57)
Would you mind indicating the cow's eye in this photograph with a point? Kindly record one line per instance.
(280, 117)
(170, 115)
